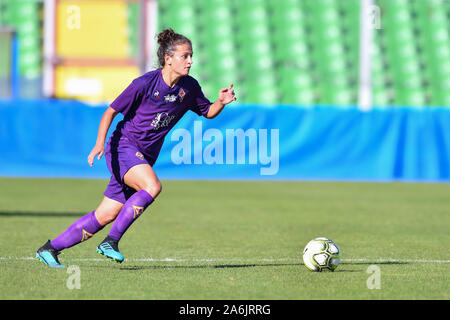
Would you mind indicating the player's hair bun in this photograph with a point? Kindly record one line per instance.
(166, 36)
(167, 40)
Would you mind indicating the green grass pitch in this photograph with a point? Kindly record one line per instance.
(232, 240)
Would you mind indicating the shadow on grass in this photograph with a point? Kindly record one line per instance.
(37, 214)
(374, 262)
(254, 265)
(207, 266)
(222, 266)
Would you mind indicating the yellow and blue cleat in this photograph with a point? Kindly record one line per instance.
(110, 249)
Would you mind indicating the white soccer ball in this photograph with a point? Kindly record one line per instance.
(321, 254)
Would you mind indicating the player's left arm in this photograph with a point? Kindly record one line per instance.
(226, 96)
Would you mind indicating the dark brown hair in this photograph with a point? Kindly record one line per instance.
(168, 40)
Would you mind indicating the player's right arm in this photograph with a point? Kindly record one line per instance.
(105, 123)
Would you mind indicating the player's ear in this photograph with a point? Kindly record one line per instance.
(168, 59)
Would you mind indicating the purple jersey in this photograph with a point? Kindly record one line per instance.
(151, 108)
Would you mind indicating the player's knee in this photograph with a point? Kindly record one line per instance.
(154, 188)
(107, 211)
(105, 217)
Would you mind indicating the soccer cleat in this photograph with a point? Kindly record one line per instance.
(49, 255)
(110, 249)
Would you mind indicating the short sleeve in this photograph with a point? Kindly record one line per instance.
(200, 104)
(128, 100)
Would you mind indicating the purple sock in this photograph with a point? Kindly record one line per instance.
(79, 231)
(131, 210)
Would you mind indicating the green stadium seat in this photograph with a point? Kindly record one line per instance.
(24, 17)
(309, 49)
(380, 97)
(296, 51)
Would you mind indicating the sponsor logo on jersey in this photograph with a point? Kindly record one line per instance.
(170, 98)
(161, 120)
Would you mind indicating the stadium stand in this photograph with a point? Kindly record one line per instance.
(306, 52)
(25, 18)
(291, 51)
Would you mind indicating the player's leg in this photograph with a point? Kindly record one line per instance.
(79, 231)
(143, 179)
(108, 210)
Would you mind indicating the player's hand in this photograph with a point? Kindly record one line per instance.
(226, 95)
(96, 151)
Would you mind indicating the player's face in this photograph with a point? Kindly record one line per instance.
(181, 60)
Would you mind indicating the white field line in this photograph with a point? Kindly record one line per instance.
(234, 260)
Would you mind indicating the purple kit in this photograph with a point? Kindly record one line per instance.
(151, 108)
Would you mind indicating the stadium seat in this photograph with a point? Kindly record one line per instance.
(133, 19)
(433, 38)
(401, 53)
(24, 17)
(310, 49)
(332, 82)
(306, 50)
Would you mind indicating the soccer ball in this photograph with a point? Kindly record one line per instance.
(321, 254)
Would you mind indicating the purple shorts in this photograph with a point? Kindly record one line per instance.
(120, 157)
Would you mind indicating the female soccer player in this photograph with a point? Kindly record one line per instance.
(152, 104)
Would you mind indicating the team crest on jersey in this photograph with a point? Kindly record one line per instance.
(86, 235)
(140, 155)
(181, 94)
(137, 211)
